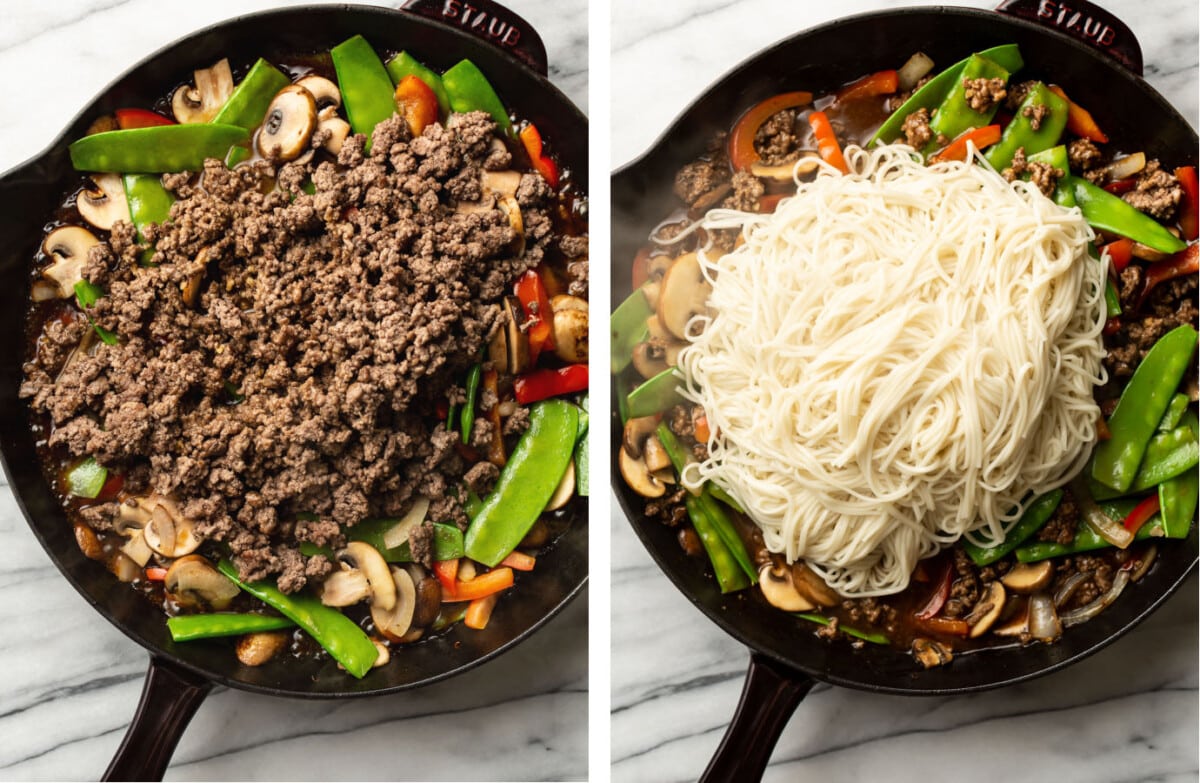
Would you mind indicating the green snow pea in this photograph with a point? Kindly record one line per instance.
(954, 115)
(149, 202)
(656, 394)
(86, 293)
(1174, 414)
(367, 90)
(820, 619)
(185, 628)
(1177, 500)
(1110, 213)
(627, 325)
(1057, 157)
(1087, 539)
(1035, 517)
(248, 104)
(1020, 134)
(730, 576)
(467, 417)
(404, 64)
(155, 150)
(469, 90)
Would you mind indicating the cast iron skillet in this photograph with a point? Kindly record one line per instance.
(181, 675)
(785, 663)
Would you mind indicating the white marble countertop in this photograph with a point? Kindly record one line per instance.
(1128, 713)
(72, 681)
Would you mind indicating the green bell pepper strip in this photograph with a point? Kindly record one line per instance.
(469, 90)
(934, 91)
(866, 636)
(1177, 501)
(247, 106)
(656, 395)
(341, 637)
(1057, 157)
(730, 577)
(725, 498)
(526, 483)
(1088, 540)
(188, 627)
(954, 115)
(404, 64)
(155, 150)
(627, 327)
(1019, 133)
(1034, 519)
(729, 535)
(1174, 414)
(1141, 407)
(149, 202)
(367, 90)
(467, 417)
(1110, 213)
(86, 478)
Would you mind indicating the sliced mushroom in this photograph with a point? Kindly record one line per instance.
(649, 358)
(565, 489)
(324, 92)
(193, 582)
(807, 164)
(366, 558)
(655, 456)
(1148, 253)
(289, 124)
(190, 288)
(136, 548)
(633, 437)
(568, 302)
(394, 622)
(930, 653)
(255, 649)
(201, 103)
(684, 294)
(339, 129)
(428, 597)
(812, 586)
(1017, 625)
(502, 183)
(780, 592)
(512, 210)
(345, 587)
(68, 246)
(571, 335)
(639, 479)
(652, 290)
(104, 203)
(516, 342)
(1029, 577)
(123, 568)
(383, 656)
(987, 611)
(657, 266)
(88, 542)
(170, 535)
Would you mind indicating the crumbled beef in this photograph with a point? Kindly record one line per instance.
(898, 100)
(322, 532)
(679, 419)
(1036, 114)
(1168, 305)
(983, 93)
(339, 317)
(576, 250)
(481, 477)
(1083, 154)
(517, 423)
(872, 611)
(1061, 527)
(917, 132)
(481, 433)
(1044, 177)
(1157, 192)
(420, 543)
(828, 632)
(668, 509)
(747, 190)
(1017, 93)
(1018, 166)
(1131, 279)
(1098, 582)
(964, 591)
(697, 178)
(317, 567)
(777, 139)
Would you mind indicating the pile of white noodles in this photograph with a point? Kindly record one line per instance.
(896, 358)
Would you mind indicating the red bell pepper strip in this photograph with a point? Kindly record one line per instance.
(1185, 262)
(416, 103)
(768, 203)
(530, 290)
(940, 595)
(1079, 119)
(481, 586)
(957, 149)
(112, 487)
(446, 572)
(541, 161)
(641, 268)
(880, 83)
(944, 625)
(479, 612)
(1141, 513)
(519, 561)
(156, 574)
(1189, 208)
(1121, 186)
(128, 119)
(543, 384)
(1111, 327)
(827, 143)
(742, 154)
(1121, 253)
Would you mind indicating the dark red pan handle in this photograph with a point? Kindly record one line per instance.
(1084, 21)
(490, 22)
(769, 697)
(170, 698)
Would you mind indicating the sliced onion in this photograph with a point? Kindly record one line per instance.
(1127, 166)
(911, 72)
(1110, 530)
(398, 533)
(1069, 588)
(1147, 560)
(1085, 613)
(691, 229)
(1044, 624)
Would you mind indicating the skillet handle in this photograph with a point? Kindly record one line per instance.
(1083, 21)
(490, 22)
(768, 700)
(170, 698)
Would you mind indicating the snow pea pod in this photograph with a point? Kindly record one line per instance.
(1141, 407)
(1087, 539)
(1035, 517)
(467, 417)
(526, 483)
(1057, 157)
(367, 90)
(656, 394)
(337, 633)
(730, 577)
(627, 325)
(866, 636)
(187, 627)
(404, 64)
(1174, 414)
(934, 91)
(1177, 501)
(1020, 133)
(155, 150)
(1167, 455)
(1110, 213)
(248, 104)
(149, 202)
(469, 90)
(954, 115)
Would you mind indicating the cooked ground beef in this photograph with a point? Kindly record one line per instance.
(1063, 524)
(668, 509)
(1018, 166)
(983, 93)
(1036, 114)
(747, 190)
(481, 477)
(897, 100)
(339, 318)
(778, 140)
(964, 591)
(917, 132)
(420, 543)
(699, 177)
(1168, 305)
(1157, 192)
(1083, 154)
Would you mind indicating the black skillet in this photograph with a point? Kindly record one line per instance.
(180, 676)
(784, 663)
